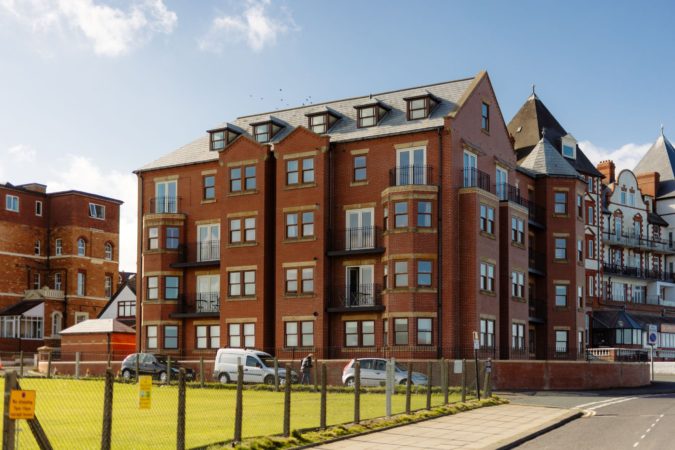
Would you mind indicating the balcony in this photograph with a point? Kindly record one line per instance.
(201, 304)
(509, 193)
(359, 297)
(638, 272)
(621, 239)
(537, 309)
(355, 241)
(535, 214)
(537, 262)
(165, 205)
(417, 174)
(199, 254)
(474, 178)
(657, 300)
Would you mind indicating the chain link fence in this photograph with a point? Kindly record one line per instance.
(193, 410)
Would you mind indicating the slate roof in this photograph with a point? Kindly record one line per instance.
(660, 158)
(544, 159)
(19, 308)
(99, 326)
(526, 129)
(450, 94)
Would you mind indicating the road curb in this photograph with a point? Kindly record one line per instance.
(531, 434)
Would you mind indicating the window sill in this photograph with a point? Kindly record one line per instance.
(209, 200)
(488, 293)
(237, 194)
(484, 131)
(295, 241)
(241, 299)
(561, 215)
(488, 235)
(518, 245)
(307, 295)
(519, 299)
(560, 261)
(299, 186)
(242, 244)
(358, 183)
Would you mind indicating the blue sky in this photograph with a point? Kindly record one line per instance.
(93, 89)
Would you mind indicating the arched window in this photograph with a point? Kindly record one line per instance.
(81, 247)
(108, 251)
(57, 317)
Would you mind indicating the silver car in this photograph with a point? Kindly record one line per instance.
(374, 373)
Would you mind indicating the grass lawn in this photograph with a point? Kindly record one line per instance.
(71, 413)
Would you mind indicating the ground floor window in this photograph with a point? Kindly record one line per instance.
(170, 336)
(423, 331)
(518, 336)
(19, 327)
(629, 336)
(241, 333)
(360, 333)
(208, 336)
(151, 336)
(400, 331)
(487, 333)
(561, 339)
(667, 340)
(299, 334)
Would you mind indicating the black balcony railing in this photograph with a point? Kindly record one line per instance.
(537, 308)
(537, 261)
(638, 272)
(356, 296)
(357, 239)
(507, 192)
(165, 205)
(207, 302)
(406, 175)
(535, 213)
(472, 177)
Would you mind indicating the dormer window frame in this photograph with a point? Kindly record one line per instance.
(378, 112)
(569, 142)
(270, 128)
(329, 119)
(429, 104)
(219, 138)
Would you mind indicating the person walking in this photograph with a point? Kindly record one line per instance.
(306, 368)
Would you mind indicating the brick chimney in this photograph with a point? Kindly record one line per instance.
(649, 183)
(607, 168)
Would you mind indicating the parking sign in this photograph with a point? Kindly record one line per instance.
(651, 334)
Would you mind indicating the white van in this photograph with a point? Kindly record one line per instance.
(258, 366)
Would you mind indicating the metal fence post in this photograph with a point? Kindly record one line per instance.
(21, 363)
(324, 375)
(109, 361)
(429, 384)
(445, 365)
(49, 364)
(276, 375)
(8, 429)
(389, 386)
(77, 365)
(463, 380)
(180, 431)
(316, 378)
(106, 434)
(357, 391)
(138, 367)
(287, 402)
(239, 404)
(168, 369)
(408, 383)
(201, 371)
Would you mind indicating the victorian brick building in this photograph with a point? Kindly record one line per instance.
(58, 261)
(386, 224)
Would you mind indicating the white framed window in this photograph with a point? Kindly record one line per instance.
(12, 203)
(359, 289)
(58, 281)
(81, 317)
(518, 336)
(58, 247)
(208, 336)
(470, 165)
(38, 208)
(411, 166)
(517, 284)
(591, 286)
(108, 251)
(151, 337)
(57, 319)
(166, 200)
(96, 211)
(561, 341)
(501, 183)
(81, 283)
(360, 231)
(487, 277)
(487, 333)
(81, 247)
(569, 147)
(208, 245)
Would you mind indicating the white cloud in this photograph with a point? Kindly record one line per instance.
(83, 174)
(111, 31)
(256, 25)
(23, 154)
(625, 157)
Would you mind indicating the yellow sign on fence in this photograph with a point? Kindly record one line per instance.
(22, 404)
(144, 390)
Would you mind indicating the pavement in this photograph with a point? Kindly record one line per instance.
(494, 427)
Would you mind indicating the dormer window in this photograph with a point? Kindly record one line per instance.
(569, 146)
(321, 122)
(264, 131)
(420, 107)
(370, 114)
(221, 137)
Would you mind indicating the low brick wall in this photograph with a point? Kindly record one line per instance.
(568, 375)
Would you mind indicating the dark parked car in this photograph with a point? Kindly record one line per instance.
(155, 365)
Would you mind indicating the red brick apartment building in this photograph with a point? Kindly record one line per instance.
(391, 224)
(58, 261)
